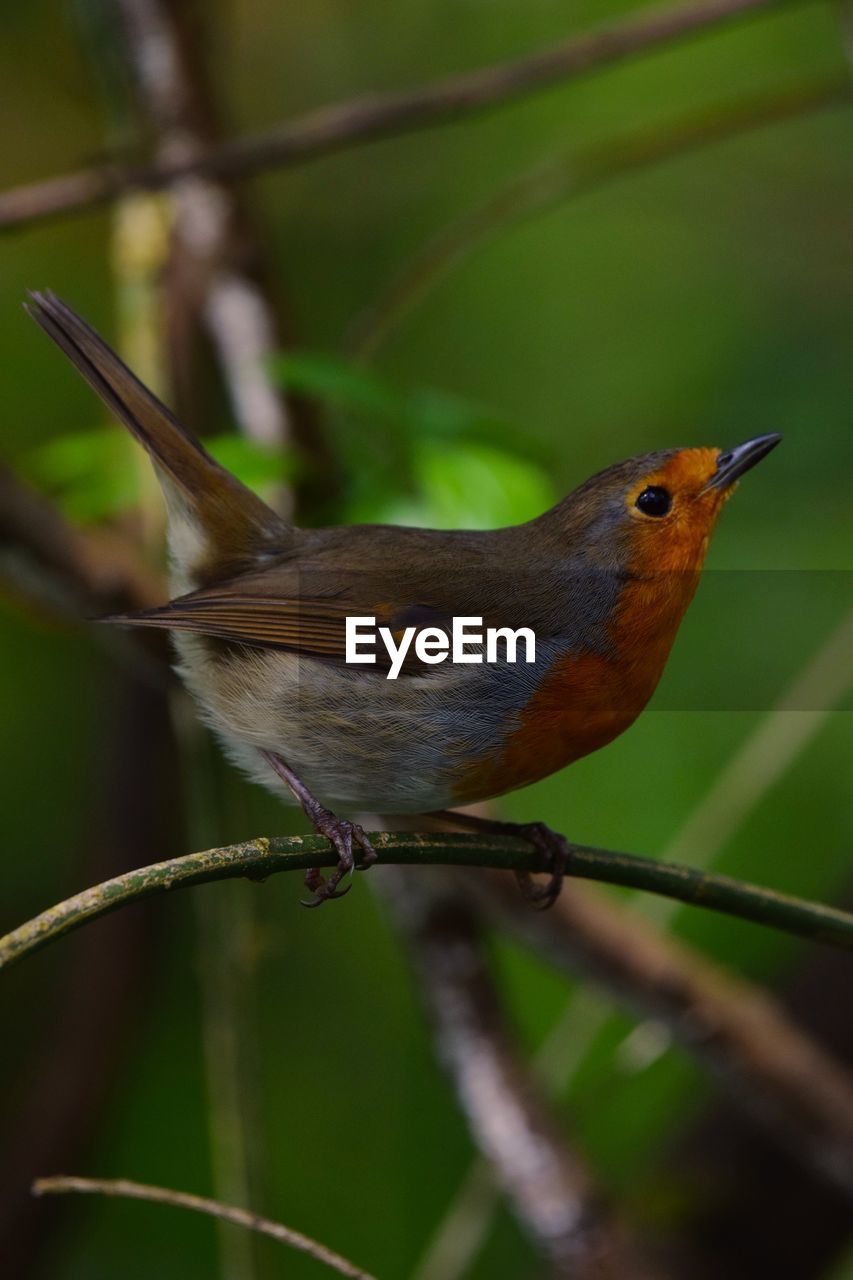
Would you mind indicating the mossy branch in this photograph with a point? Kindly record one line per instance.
(257, 859)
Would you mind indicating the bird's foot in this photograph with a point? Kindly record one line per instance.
(341, 834)
(557, 852)
(554, 846)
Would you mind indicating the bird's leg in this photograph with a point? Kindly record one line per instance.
(338, 831)
(554, 846)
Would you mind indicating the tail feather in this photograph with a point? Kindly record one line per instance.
(234, 521)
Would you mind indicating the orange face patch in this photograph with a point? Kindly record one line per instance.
(678, 541)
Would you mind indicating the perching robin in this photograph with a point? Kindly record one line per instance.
(602, 579)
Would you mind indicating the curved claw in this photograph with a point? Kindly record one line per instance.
(537, 895)
(342, 834)
(555, 848)
(540, 897)
(321, 897)
(558, 851)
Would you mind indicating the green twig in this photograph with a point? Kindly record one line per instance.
(257, 859)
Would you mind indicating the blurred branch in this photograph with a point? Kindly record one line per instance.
(346, 124)
(264, 856)
(752, 1185)
(53, 561)
(551, 1192)
(216, 274)
(575, 174)
(122, 1187)
(50, 568)
(776, 1071)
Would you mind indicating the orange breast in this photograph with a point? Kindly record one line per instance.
(587, 699)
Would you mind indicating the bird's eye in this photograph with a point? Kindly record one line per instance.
(654, 501)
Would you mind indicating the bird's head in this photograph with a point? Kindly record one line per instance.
(655, 513)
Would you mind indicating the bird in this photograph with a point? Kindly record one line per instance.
(260, 608)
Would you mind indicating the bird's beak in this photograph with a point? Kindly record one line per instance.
(734, 463)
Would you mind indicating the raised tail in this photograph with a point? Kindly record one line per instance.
(216, 523)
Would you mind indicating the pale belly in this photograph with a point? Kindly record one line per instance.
(456, 736)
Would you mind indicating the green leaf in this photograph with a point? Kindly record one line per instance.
(93, 476)
(468, 486)
(90, 473)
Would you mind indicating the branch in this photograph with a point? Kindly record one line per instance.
(346, 124)
(574, 174)
(551, 1192)
(262, 857)
(184, 1200)
(50, 567)
(778, 1073)
(78, 571)
(217, 277)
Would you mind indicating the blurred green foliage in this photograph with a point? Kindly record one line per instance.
(91, 478)
(421, 457)
(699, 302)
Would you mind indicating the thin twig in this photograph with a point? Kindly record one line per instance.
(126, 1189)
(264, 856)
(575, 174)
(360, 120)
(551, 1191)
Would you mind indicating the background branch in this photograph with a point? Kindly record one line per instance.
(777, 1072)
(756, 1183)
(361, 120)
(573, 174)
(75, 571)
(216, 276)
(263, 857)
(551, 1192)
(199, 1204)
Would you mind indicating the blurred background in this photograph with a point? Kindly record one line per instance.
(451, 326)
